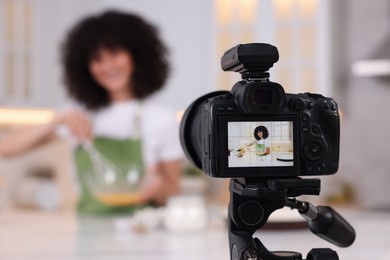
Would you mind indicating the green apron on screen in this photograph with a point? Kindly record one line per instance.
(260, 149)
(123, 153)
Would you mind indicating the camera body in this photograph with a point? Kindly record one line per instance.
(257, 130)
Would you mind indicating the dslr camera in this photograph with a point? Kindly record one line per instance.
(258, 130)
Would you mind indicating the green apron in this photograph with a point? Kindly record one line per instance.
(123, 153)
(260, 149)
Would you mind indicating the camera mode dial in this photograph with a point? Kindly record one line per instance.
(297, 104)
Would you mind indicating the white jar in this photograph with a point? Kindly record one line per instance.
(185, 214)
(37, 192)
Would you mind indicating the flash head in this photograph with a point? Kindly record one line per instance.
(250, 58)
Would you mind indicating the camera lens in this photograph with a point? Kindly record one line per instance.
(190, 134)
(314, 150)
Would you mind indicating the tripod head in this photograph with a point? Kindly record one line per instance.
(252, 201)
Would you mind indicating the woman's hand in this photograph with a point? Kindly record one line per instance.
(22, 140)
(152, 185)
(251, 143)
(78, 122)
(161, 181)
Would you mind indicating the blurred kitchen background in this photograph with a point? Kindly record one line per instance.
(340, 48)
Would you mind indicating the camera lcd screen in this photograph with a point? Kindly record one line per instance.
(260, 144)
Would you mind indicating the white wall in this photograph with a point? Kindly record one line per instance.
(54, 21)
(364, 158)
(187, 29)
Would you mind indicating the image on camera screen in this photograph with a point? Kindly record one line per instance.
(260, 144)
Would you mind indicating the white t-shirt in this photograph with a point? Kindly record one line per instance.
(266, 142)
(159, 129)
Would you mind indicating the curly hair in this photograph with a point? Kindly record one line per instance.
(113, 29)
(261, 129)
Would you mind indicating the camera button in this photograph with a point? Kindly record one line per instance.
(316, 129)
(333, 107)
(310, 105)
(319, 168)
(305, 118)
(326, 106)
(310, 168)
(314, 95)
(314, 150)
(298, 104)
(221, 109)
(305, 129)
(230, 109)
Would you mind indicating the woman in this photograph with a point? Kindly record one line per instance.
(113, 62)
(262, 144)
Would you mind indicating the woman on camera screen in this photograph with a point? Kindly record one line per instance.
(262, 144)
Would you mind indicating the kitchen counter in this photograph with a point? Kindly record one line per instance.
(48, 236)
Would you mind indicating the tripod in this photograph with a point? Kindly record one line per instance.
(252, 201)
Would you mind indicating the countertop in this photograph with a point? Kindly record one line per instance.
(64, 235)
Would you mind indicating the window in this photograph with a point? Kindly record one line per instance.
(236, 21)
(282, 131)
(298, 28)
(16, 41)
(296, 39)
